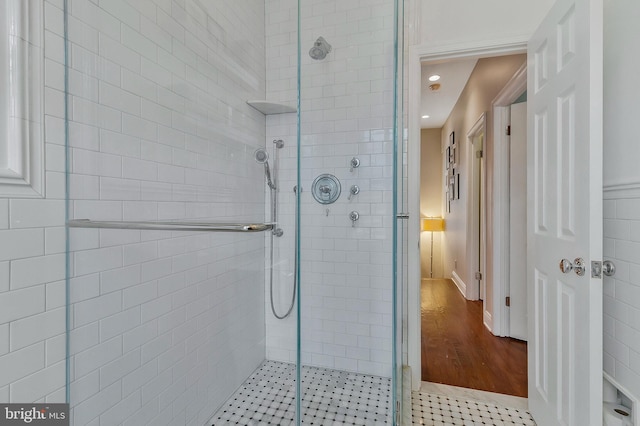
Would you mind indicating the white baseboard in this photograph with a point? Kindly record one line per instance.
(459, 283)
(487, 319)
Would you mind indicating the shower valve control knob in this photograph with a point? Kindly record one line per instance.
(354, 216)
(355, 163)
(355, 189)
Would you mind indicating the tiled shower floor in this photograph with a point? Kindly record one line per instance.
(333, 397)
(330, 397)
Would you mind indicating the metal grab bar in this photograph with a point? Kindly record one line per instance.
(171, 226)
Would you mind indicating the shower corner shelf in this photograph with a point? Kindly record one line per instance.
(268, 108)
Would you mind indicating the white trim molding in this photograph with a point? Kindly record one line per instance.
(474, 49)
(475, 236)
(622, 190)
(462, 287)
(21, 99)
(500, 208)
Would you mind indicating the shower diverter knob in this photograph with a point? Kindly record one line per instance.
(354, 216)
(326, 189)
(355, 190)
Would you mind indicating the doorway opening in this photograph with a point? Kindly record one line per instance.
(464, 340)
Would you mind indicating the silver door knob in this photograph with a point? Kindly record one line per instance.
(608, 268)
(578, 266)
(565, 266)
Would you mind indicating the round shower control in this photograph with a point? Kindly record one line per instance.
(326, 188)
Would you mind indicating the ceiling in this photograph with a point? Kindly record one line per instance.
(438, 104)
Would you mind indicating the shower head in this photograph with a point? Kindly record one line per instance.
(320, 49)
(262, 157)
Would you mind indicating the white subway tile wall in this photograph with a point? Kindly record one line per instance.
(622, 291)
(346, 111)
(32, 260)
(281, 29)
(164, 325)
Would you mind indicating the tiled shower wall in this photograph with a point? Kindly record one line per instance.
(622, 291)
(281, 29)
(346, 111)
(164, 326)
(32, 246)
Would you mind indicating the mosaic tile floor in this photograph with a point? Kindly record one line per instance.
(440, 410)
(333, 397)
(330, 397)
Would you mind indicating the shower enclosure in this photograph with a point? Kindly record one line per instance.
(234, 182)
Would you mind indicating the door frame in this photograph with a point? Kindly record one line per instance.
(476, 220)
(501, 119)
(416, 55)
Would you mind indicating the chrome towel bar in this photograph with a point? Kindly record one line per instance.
(172, 226)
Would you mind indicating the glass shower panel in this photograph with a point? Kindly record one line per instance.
(165, 324)
(347, 142)
(402, 384)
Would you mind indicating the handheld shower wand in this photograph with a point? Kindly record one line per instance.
(262, 157)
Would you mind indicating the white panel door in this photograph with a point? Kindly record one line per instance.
(518, 222)
(564, 195)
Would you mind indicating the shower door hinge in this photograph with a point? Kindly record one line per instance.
(478, 154)
(507, 301)
(507, 131)
(478, 275)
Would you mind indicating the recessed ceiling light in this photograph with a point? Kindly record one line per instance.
(434, 77)
(425, 116)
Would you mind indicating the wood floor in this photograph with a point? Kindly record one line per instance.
(458, 350)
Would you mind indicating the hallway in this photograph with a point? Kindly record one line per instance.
(458, 350)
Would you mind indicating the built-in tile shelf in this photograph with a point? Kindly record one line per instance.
(269, 108)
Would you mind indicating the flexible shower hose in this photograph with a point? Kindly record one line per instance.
(295, 264)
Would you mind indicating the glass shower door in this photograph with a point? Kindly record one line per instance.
(166, 278)
(178, 290)
(348, 142)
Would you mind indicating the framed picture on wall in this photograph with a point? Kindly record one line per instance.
(448, 157)
(451, 149)
(452, 186)
(457, 186)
